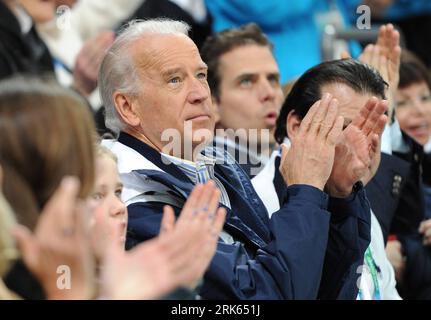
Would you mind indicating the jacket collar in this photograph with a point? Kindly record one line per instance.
(151, 154)
(233, 178)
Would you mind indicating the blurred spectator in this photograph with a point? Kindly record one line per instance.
(193, 12)
(294, 27)
(410, 256)
(41, 109)
(68, 33)
(21, 49)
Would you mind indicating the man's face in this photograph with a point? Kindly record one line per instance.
(250, 92)
(174, 88)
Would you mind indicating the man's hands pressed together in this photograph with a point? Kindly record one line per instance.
(310, 158)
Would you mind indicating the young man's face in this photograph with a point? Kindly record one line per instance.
(250, 91)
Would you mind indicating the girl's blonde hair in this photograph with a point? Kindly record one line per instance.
(104, 151)
(8, 250)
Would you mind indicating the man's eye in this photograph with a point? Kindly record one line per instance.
(426, 98)
(202, 75)
(274, 80)
(118, 193)
(97, 196)
(175, 80)
(245, 82)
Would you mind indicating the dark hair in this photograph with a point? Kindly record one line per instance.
(412, 71)
(307, 89)
(222, 42)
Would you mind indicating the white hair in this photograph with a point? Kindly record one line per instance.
(118, 72)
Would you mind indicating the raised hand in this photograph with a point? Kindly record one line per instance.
(177, 258)
(357, 155)
(89, 60)
(60, 243)
(385, 57)
(310, 157)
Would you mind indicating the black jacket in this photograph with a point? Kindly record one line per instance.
(21, 53)
(395, 193)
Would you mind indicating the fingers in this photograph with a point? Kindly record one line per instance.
(425, 225)
(375, 57)
(370, 123)
(425, 230)
(376, 120)
(27, 245)
(365, 57)
(394, 64)
(321, 118)
(95, 48)
(205, 198)
(364, 113)
(219, 222)
(306, 122)
(60, 209)
(380, 126)
(320, 115)
(370, 116)
(192, 202)
(334, 134)
(329, 120)
(213, 203)
(168, 220)
(383, 68)
(345, 55)
(284, 151)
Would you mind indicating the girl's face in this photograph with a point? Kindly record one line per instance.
(109, 220)
(414, 111)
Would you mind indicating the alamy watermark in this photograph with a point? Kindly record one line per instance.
(64, 280)
(363, 22)
(240, 144)
(64, 17)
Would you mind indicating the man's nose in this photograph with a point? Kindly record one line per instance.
(266, 90)
(199, 91)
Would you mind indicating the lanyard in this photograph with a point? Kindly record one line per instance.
(373, 271)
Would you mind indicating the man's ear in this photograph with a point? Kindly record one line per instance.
(126, 108)
(215, 110)
(292, 124)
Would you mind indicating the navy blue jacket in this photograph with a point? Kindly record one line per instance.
(309, 249)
